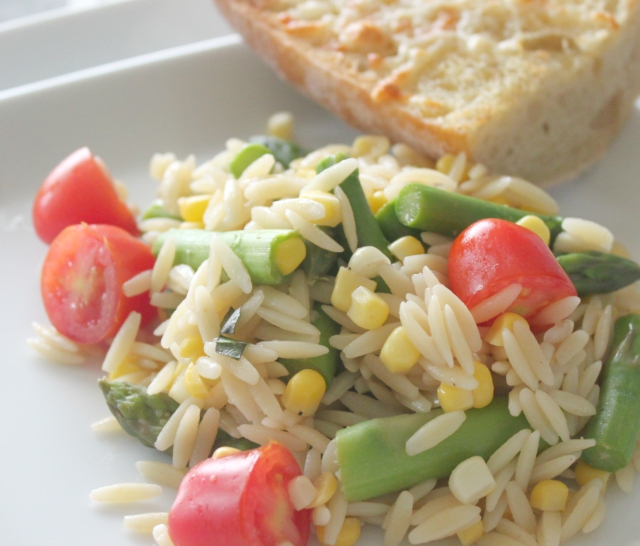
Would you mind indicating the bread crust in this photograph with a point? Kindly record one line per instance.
(552, 129)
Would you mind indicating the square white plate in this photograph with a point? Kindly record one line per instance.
(68, 39)
(186, 100)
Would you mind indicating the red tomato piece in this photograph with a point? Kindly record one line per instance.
(82, 277)
(492, 254)
(79, 190)
(240, 500)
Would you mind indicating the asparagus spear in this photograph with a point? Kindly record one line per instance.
(430, 209)
(140, 414)
(247, 155)
(143, 415)
(616, 424)
(156, 210)
(594, 272)
(268, 254)
(391, 226)
(327, 364)
(373, 460)
(367, 228)
(319, 261)
(283, 150)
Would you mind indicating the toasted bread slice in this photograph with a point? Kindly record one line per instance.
(532, 88)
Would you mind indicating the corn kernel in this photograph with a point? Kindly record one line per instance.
(289, 254)
(377, 201)
(483, 393)
(406, 246)
(454, 398)
(280, 125)
(618, 249)
(192, 348)
(346, 282)
(398, 354)
(471, 480)
(445, 163)
(506, 320)
(499, 200)
(194, 384)
(192, 208)
(326, 485)
(535, 224)
(303, 392)
(348, 536)
(224, 451)
(333, 212)
(586, 473)
(549, 495)
(367, 310)
(471, 534)
(125, 367)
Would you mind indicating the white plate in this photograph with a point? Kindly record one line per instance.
(68, 39)
(186, 100)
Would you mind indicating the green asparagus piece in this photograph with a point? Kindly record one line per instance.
(283, 150)
(156, 210)
(430, 209)
(247, 155)
(223, 439)
(258, 250)
(319, 261)
(373, 459)
(140, 414)
(594, 272)
(391, 226)
(327, 364)
(616, 424)
(367, 228)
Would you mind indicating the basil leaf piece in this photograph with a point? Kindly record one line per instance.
(230, 326)
(230, 347)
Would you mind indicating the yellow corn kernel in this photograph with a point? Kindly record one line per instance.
(619, 249)
(445, 163)
(194, 384)
(367, 310)
(506, 320)
(192, 348)
(499, 200)
(348, 536)
(303, 392)
(483, 393)
(326, 485)
(289, 254)
(192, 208)
(224, 451)
(377, 201)
(346, 282)
(125, 367)
(398, 354)
(453, 398)
(406, 246)
(549, 495)
(333, 212)
(586, 473)
(535, 224)
(471, 534)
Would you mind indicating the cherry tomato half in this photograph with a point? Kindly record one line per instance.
(491, 254)
(82, 277)
(240, 500)
(79, 190)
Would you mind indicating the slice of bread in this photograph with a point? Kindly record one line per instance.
(532, 88)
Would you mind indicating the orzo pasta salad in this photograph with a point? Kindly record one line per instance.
(352, 335)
